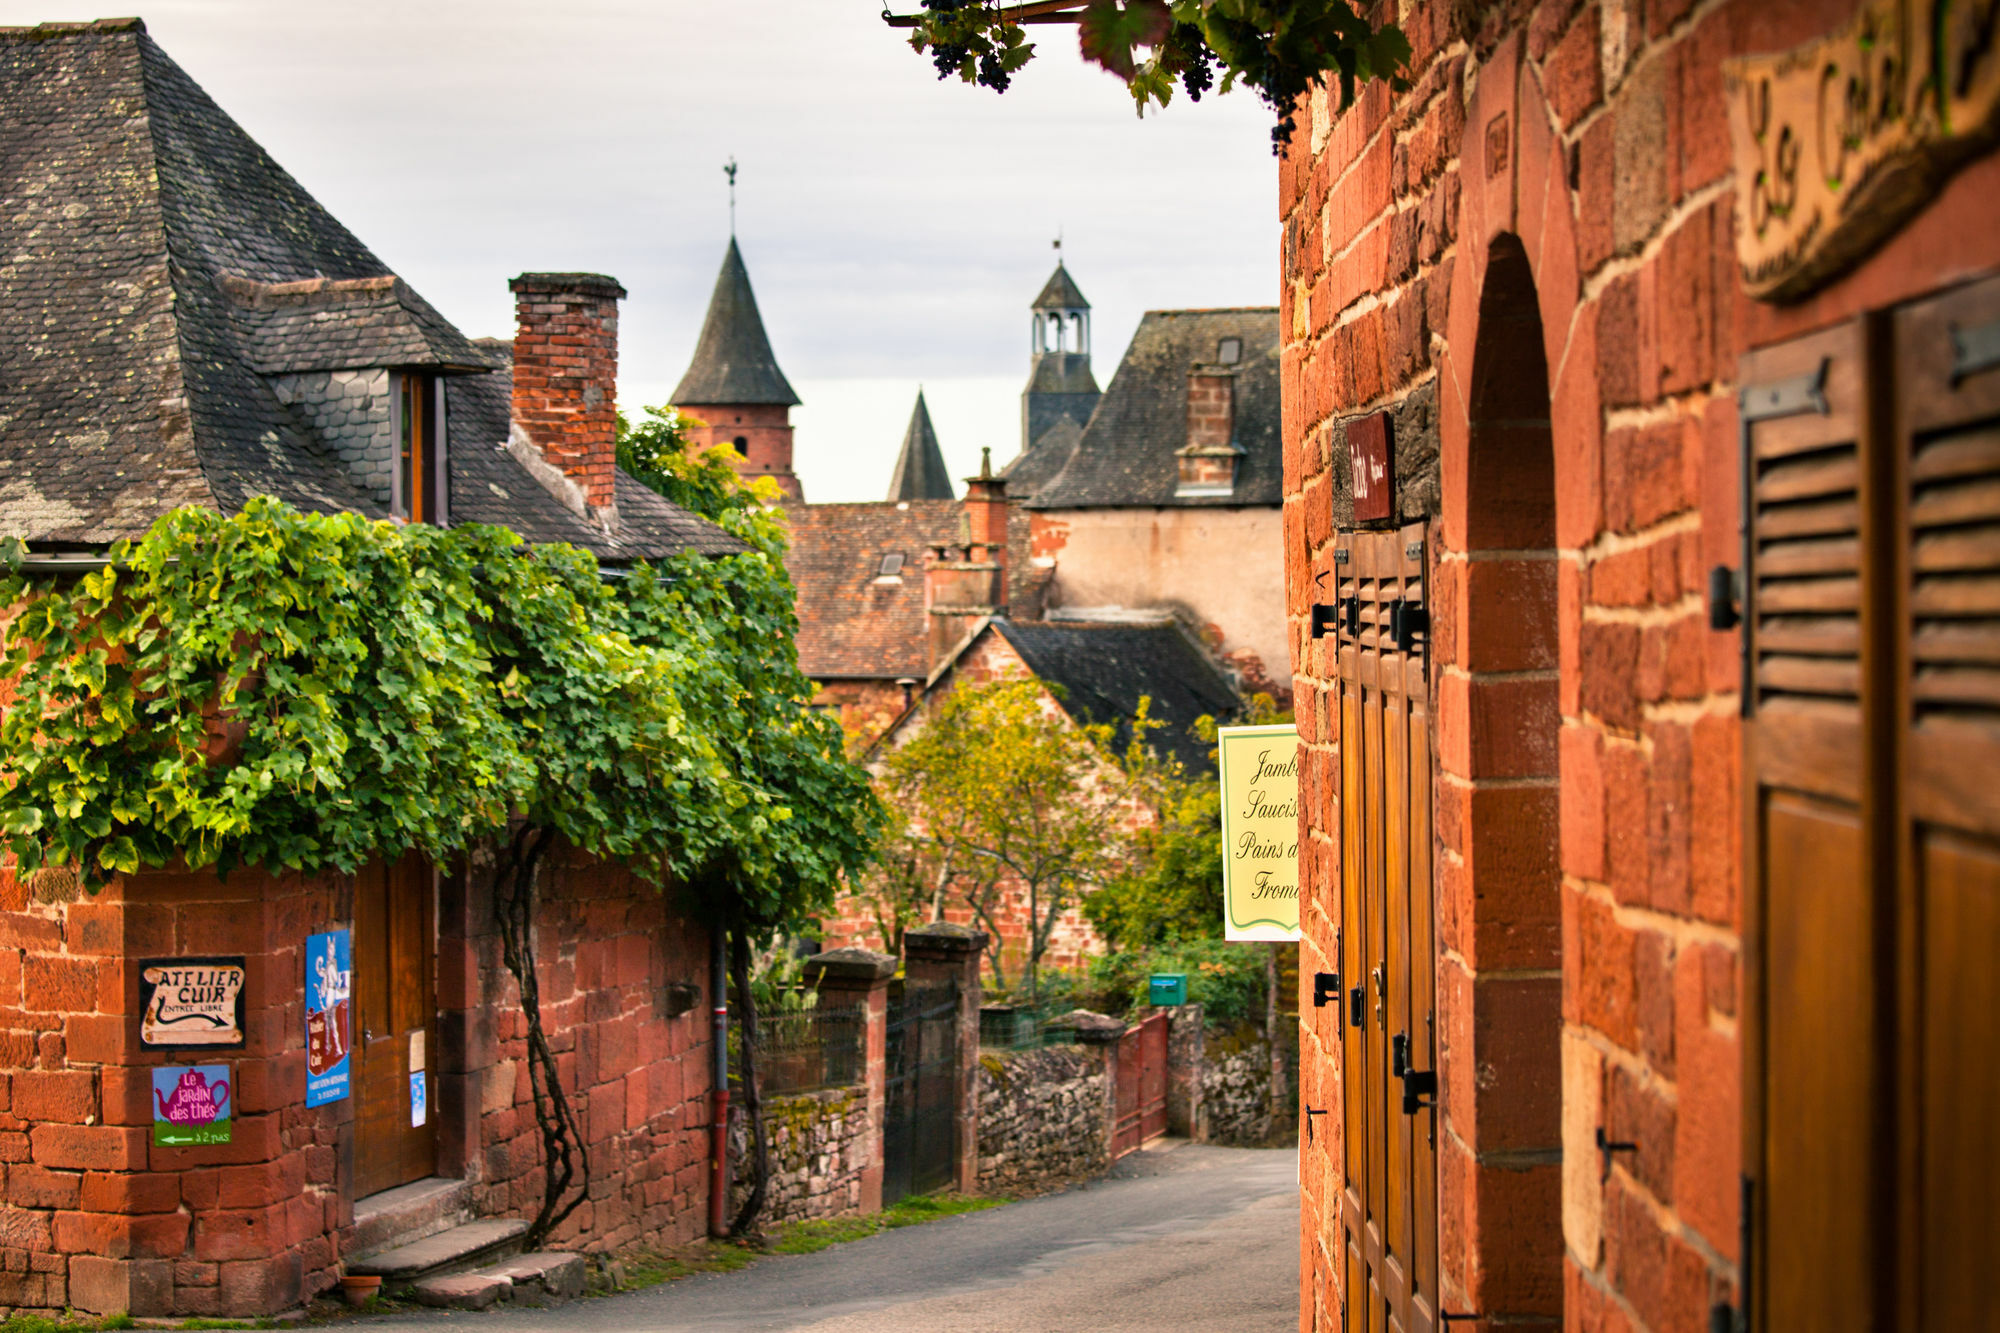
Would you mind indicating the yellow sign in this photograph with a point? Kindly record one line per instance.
(1260, 832)
(1840, 140)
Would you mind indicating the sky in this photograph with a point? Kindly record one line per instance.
(895, 227)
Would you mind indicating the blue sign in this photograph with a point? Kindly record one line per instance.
(419, 1109)
(329, 1014)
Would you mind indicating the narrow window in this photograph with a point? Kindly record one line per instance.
(417, 432)
(743, 445)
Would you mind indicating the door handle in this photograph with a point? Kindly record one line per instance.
(1381, 976)
(1417, 1083)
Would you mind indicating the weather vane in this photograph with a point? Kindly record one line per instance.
(1057, 243)
(729, 170)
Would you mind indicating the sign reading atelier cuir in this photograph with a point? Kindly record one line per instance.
(191, 1002)
(1260, 831)
(1839, 141)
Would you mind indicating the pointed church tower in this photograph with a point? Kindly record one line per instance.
(1060, 384)
(920, 473)
(735, 386)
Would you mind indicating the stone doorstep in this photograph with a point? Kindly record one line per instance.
(545, 1277)
(463, 1245)
(409, 1213)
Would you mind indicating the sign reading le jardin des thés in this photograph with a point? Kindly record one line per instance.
(190, 1105)
(1840, 140)
(1260, 831)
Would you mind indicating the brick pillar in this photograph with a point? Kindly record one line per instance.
(945, 953)
(565, 379)
(859, 979)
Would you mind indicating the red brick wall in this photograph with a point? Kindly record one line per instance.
(766, 430)
(94, 1215)
(866, 708)
(1551, 204)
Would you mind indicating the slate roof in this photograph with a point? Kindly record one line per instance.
(1103, 670)
(920, 472)
(155, 266)
(1036, 465)
(1126, 456)
(733, 361)
(853, 622)
(1060, 292)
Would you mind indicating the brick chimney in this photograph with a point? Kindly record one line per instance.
(565, 376)
(1209, 461)
(964, 583)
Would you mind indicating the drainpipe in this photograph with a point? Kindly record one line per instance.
(718, 1129)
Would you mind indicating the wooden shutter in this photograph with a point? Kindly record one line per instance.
(1872, 1040)
(1947, 728)
(1387, 932)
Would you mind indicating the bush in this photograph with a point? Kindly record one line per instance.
(1225, 979)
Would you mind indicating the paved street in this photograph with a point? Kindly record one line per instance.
(1197, 1238)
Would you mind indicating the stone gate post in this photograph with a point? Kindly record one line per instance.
(933, 955)
(859, 979)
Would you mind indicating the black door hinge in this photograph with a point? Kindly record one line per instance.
(1417, 1083)
(1326, 989)
(1408, 621)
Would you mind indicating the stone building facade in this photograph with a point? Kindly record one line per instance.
(1599, 264)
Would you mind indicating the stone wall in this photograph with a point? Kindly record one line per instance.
(1042, 1117)
(350, 410)
(1236, 1089)
(819, 1147)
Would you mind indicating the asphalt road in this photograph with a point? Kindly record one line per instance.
(1193, 1239)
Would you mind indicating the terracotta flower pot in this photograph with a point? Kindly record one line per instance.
(360, 1288)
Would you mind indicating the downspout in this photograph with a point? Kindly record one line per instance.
(718, 1129)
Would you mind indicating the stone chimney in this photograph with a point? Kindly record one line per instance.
(564, 412)
(1209, 461)
(964, 583)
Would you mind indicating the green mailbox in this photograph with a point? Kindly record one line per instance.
(1167, 988)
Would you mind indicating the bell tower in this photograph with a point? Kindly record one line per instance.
(1060, 384)
(735, 387)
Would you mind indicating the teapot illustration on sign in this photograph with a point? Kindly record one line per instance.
(195, 1101)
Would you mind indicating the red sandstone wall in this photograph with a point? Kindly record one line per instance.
(1595, 136)
(765, 429)
(97, 1217)
(866, 708)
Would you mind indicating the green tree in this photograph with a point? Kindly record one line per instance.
(1281, 48)
(1001, 785)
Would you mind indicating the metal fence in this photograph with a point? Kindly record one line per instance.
(806, 1050)
(1022, 1027)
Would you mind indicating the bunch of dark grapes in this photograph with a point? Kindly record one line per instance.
(1197, 76)
(948, 56)
(991, 74)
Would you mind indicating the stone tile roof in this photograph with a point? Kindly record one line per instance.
(1126, 456)
(155, 264)
(1060, 292)
(488, 486)
(733, 361)
(920, 471)
(1104, 670)
(1034, 467)
(321, 324)
(857, 623)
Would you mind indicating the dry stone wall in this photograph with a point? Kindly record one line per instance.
(819, 1144)
(1041, 1117)
(1236, 1089)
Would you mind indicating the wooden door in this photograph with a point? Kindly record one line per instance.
(395, 1017)
(1872, 463)
(1387, 938)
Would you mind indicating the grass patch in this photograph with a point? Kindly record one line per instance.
(64, 1323)
(812, 1237)
(649, 1268)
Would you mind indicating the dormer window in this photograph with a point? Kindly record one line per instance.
(1229, 351)
(892, 563)
(419, 450)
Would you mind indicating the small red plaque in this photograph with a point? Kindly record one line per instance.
(1368, 450)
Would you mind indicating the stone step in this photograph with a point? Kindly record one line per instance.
(462, 1246)
(545, 1277)
(409, 1213)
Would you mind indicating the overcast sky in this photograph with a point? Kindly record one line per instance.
(895, 227)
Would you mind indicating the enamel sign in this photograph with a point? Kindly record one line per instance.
(329, 1031)
(1260, 831)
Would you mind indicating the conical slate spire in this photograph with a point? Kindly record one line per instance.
(920, 473)
(1060, 292)
(733, 362)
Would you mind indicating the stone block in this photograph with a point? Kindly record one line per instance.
(463, 1291)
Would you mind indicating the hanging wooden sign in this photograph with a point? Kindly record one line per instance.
(1838, 142)
(1368, 455)
(1260, 831)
